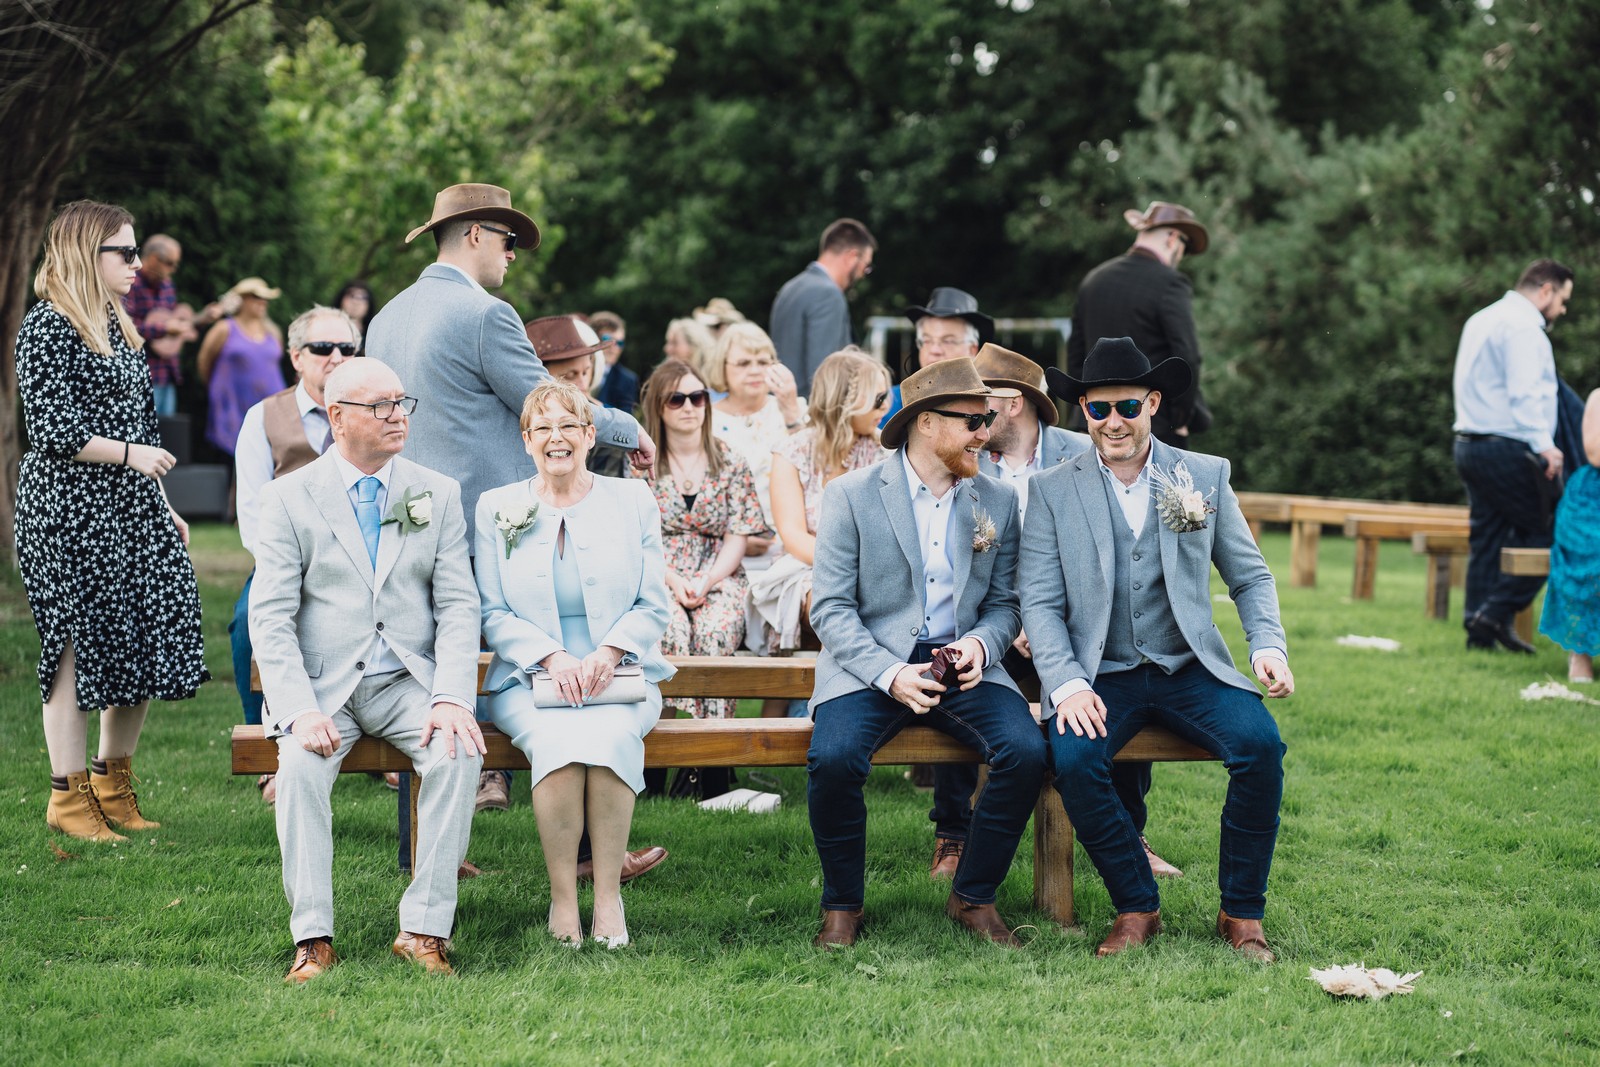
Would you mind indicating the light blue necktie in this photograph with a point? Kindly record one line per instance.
(367, 515)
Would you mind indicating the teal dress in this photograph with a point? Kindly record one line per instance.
(1571, 616)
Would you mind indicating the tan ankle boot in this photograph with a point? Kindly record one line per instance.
(117, 798)
(75, 810)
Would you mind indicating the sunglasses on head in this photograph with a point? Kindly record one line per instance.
(1100, 410)
(698, 398)
(129, 253)
(985, 418)
(325, 348)
(511, 238)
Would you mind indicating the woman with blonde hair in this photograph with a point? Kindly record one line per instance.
(102, 553)
(849, 394)
(691, 343)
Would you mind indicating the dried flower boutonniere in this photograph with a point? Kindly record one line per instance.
(983, 533)
(1182, 507)
(413, 512)
(514, 523)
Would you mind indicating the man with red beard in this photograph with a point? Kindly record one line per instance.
(917, 555)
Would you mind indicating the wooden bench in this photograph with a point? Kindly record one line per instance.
(1533, 562)
(1308, 515)
(756, 743)
(1370, 530)
(1447, 558)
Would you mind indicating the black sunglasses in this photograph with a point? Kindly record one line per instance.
(129, 253)
(973, 421)
(1100, 410)
(325, 348)
(511, 238)
(698, 398)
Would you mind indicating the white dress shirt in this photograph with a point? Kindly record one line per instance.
(1017, 477)
(252, 458)
(1505, 376)
(470, 279)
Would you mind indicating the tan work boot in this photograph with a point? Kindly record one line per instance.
(117, 798)
(75, 811)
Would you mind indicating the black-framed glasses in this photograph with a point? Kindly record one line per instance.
(384, 409)
(699, 398)
(326, 348)
(1100, 410)
(511, 238)
(129, 253)
(985, 418)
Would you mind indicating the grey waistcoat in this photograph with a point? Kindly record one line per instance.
(1143, 627)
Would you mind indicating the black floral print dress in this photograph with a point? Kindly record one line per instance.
(101, 560)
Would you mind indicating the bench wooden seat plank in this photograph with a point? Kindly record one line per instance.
(1307, 515)
(1370, 530)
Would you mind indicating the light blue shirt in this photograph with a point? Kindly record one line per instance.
(1505, 378)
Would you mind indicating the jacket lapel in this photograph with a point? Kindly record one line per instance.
(1097, 516)
(897, 502)
(964, 503)
(334, 504)
(1161, 459)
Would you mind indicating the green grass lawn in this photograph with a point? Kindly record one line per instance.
(1432, 821)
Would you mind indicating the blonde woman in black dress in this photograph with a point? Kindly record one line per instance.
(102, 555)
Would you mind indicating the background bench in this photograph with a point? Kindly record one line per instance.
(751, 743)
(1526, 561)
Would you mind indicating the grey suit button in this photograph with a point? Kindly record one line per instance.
(915, 630)
(1136, 557)
(1138, 614)
(588, 581)
(360, 666)
(1139, 643)
(380, 626)
(1136, 585)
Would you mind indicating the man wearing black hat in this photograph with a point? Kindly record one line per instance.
(1141, 295)
(949, 326)
(1116, 600)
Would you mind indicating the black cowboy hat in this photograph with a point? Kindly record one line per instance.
(1118, 361)
(948, 303)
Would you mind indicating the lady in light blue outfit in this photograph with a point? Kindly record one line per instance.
(573, 585)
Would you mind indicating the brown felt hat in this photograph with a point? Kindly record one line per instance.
(472, 201)
(1010, 373)
(1160, 213)
(935, 384)
(558, 337)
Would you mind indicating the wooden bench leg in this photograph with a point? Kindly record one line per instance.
(1366, 570)
(1304, 538)
(1052, 857)
(1255, 529)
(1437, 603)
(1524, 624)
(411, 794)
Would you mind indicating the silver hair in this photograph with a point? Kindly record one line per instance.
(301, 326)
(349, 377)
(972, 333)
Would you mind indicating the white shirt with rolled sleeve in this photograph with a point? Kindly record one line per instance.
(252, 458)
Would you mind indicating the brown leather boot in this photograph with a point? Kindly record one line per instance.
(75, 810)
(839, 929)
(1130, 928)
(117, 798)
(1245, 936)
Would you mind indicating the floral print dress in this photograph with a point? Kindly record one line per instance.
(102, 562)
(691, 537)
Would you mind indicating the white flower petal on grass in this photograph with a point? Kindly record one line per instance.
(1382, 644)
(1553, 691)
(1357, 980)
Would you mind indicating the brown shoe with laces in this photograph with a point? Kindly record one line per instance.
(76, 811)
(424, 949)
(311, 958)
(1246, 937)
(1130, 928)
(117, 798)
(946, 858)
(1158, 866)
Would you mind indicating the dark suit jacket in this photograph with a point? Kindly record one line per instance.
(1138, 296)
(620, 389)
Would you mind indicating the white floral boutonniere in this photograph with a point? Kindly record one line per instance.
(515, 522)
(1182, 507)
(983, 532)
(413, 512)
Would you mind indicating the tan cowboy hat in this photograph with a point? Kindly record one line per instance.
(1160, 213)
(1010, 374)
(472, 201)
(255, 287)
(935, 384)
(559, 337)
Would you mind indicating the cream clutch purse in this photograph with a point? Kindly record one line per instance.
(627, 687)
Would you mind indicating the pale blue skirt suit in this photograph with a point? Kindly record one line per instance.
(609, 588)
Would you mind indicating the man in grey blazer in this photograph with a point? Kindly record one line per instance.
(364, 617)
(1116, 599)
(922, 521)
(810, 319)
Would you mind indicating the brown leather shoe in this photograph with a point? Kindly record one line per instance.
(982, 920)
(76, 811)
(424, 949)
(311, 958)
(946, 858)
(1131, 928)
(1246, 937)
(633, 864)
(492, 795)
(1158, 866)
(839, 929)
(117, 798)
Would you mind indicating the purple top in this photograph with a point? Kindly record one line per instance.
(246, 372)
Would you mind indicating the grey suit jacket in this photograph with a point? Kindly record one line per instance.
(810, 321)
(616, 534)
(867, 584)
(1059, 445)
(1067, 570)
(465, 356)
(317, 604)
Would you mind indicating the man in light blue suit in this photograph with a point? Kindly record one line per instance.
(916, 555)
(1116, 599)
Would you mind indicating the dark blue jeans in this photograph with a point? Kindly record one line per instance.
(239, 639)
(849, 729)
(1229, 722)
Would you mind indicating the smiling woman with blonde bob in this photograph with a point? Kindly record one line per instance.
(573, 590)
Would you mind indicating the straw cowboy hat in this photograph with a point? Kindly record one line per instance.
(1160, 213)
(255, 287)
(935, 384)
(559, 337)
(1118, 361)
(471, 201)
(1008, 373)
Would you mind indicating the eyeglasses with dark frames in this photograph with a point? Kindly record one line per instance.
(384, 409)
(1100, 410)
(347, 349)
(129, 253)
(973, 421)
(699, 398)
(511, 238)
